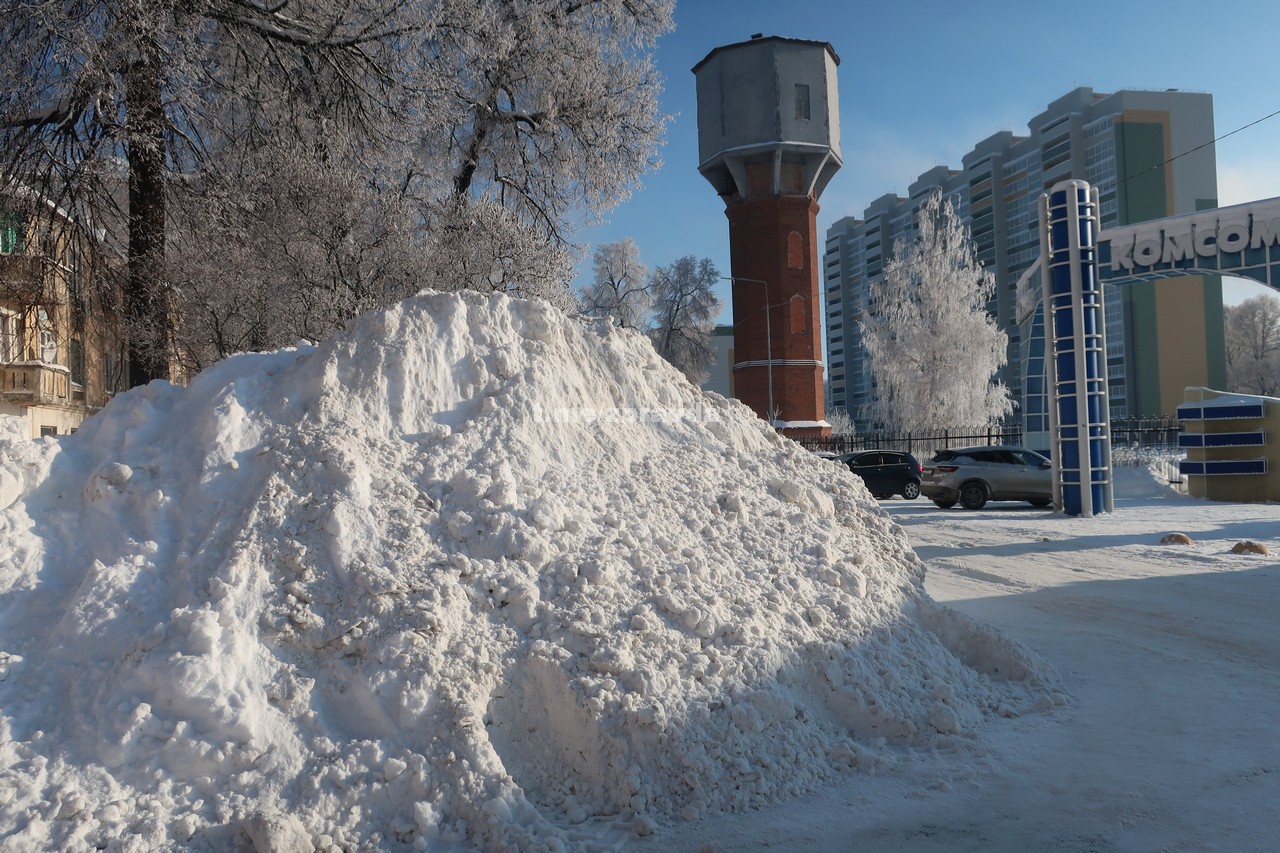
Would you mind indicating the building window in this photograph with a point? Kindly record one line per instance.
(48, 431)
(113, 374)
(795, 250)
(48, 341)
(802, 101)
(75, 279)
(13, 233)
(798, 315)
(10, 336)
(76, 357)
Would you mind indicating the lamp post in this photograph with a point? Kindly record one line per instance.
(768, 333)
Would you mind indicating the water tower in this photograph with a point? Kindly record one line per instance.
(769, 142)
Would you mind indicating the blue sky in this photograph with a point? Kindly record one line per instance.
(921, 82)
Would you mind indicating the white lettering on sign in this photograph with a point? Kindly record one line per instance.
(1146, 252)
(1233, 236)
(1204, 237)
(1177, 247)
(1264, 233)
(1206, 241)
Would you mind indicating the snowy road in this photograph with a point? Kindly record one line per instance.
(1171, 654)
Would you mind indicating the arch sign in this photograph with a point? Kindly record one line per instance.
(1242, 240)
(1076, 259)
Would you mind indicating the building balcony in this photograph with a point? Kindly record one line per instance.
(20, 276)
(31, 383)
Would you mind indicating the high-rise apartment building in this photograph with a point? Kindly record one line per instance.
(1146, 153)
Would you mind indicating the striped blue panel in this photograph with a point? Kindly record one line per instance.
(1222, 467)
(1223, 413)
(1223, 439)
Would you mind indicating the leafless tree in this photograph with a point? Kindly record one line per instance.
(684, 312)
(621, 286)
(1253, 346)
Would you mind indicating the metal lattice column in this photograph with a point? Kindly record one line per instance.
(1075, 329)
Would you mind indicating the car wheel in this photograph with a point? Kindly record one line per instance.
(1040, 503)
(973, 496)
(911, 490)
(944, 504)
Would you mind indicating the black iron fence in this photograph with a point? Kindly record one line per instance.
(1148, 433)
(1156, 433)
(913, 442)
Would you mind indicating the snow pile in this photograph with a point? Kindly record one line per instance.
(1146, 479)
(475, 576)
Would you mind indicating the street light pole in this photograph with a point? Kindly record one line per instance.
(768, 333)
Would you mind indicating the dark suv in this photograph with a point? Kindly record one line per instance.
(974, 475)
(886, 472)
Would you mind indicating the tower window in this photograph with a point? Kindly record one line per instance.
(795, 250)
(802, 101)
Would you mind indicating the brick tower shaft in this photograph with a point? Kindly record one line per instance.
(778, 348)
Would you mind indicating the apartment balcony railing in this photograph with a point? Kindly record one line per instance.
(38, 384)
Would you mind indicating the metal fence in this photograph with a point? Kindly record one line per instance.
(1134, 436)
(1149, 433)
(1150, 443)
(913, 443)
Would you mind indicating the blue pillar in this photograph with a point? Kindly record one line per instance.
(1076, 349)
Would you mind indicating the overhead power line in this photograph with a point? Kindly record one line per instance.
(1164, 163)
(916, 260)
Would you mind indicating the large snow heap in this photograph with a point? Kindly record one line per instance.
(475, 575)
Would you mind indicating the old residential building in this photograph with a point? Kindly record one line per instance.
(61, 351)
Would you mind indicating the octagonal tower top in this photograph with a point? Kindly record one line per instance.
(768, 117)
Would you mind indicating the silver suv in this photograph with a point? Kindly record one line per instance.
(974, 475)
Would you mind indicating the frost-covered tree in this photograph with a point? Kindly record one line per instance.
(545, 111)
(503, 125)
(311, 247)
(621, 287)
(934, 348)
(842, 424)
(1253, 345)
(684, 314)
(89, 84)
(478, 244)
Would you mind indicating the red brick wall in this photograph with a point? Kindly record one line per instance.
(774, 239)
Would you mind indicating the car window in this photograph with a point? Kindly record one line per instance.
(987, 457)
(893, 458)
(1026, 457)
(943, 456)
(867, 459)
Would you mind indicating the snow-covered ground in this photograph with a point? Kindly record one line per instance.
(1171, 656)
(478, 576)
